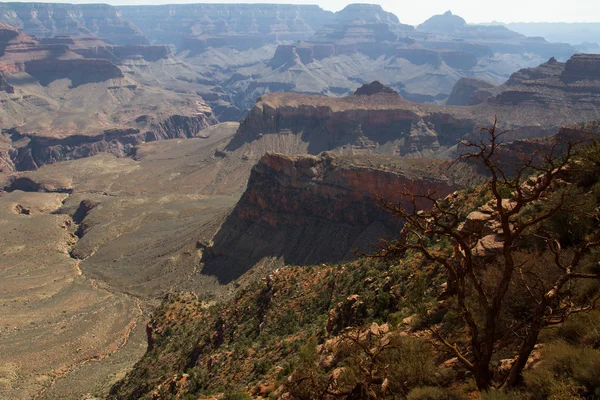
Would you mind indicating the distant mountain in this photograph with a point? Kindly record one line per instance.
(48, 19)
(574, 33)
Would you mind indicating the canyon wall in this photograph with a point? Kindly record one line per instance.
(379, 123)
(305, 210)
(30, 152)
(197, 26)
(49, 19)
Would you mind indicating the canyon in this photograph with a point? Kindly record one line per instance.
(152, 150)
(62, 100)
(232, 54)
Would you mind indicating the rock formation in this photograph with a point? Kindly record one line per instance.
(469, 92)
(379, 123)
(49, 62)
(534, 102)
(48, 20)
(570, 88)
(307, 210)
(197, 26)
(5, 86)
(90, 106)
(497, 38)
(34, 151)
(446, 23)
(120, 53)
(375, 87)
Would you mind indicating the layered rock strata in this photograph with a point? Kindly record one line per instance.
(49, 19)
(306, 210)
(34, 151)
(470, 92)
(533, 103)
(196, 27)
(72, 107)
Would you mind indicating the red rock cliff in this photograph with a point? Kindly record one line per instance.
(306, 210)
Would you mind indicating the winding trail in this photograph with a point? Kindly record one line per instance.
(123, 336)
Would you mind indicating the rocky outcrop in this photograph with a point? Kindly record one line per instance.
(49, 19)
(582, 67)
(469, 92)
(572, 87)
(302, 52)
(375, 87)
(497, 38)
(43, 150)
(179, 126)
(379, 123)
(446, 23)
(30, 152)
(306, 210)
(5, 86)
(50, 61)
(362, 23)
(78, 71)
(546, 70)
(120, 53)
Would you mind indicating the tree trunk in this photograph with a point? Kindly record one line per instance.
(526, 348)
(483, 376)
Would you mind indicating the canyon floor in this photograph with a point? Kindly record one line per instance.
(75, 296)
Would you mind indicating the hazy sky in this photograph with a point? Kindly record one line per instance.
(416, 11)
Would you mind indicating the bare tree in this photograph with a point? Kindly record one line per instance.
(524, 197)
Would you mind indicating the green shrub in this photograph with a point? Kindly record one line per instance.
(287, 324)
(236, 396)
(581, 329)
(565, 368)
(262, 366)
(495, 394)
(431, 393)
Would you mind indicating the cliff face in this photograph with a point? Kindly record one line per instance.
(5, 86)
(582, 67)
(197, 26)
(30, 152)
(379, 123)
(48, 62)
(79, 71)
(533, 103)
(498, 39)
(572, 87)
(120, 53)
(48, 19)
(306, 210)
(98, 110)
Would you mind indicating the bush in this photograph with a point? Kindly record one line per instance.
(236, 396)
(495, 394)
(581, 329)
(431, 393)
(566, 369)
(262, 366)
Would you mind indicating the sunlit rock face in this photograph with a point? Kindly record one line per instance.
(49, 19)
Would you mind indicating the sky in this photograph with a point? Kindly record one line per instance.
(416, 11)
